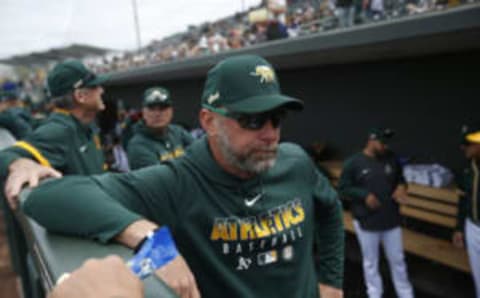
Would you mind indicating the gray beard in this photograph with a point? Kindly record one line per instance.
(242, 162)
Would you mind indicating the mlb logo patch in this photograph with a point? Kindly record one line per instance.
(267, 258)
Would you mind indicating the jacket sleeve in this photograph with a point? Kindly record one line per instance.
(329, 234)
(100, 207)
(48, 146)
(346, 185)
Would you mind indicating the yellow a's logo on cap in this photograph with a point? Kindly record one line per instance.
(266, 74)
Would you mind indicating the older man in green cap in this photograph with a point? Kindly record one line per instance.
(244, 210)
(468, 221)
(68, 142)
(156, 140)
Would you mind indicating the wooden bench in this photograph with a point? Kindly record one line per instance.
(430, 205)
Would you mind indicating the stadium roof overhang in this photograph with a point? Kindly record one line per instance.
(52, 55)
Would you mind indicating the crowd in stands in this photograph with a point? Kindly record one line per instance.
(266, 23)
(260, 24)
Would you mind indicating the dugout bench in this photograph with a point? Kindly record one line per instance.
(429, 220)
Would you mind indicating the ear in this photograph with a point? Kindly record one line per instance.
(207, 119)
(79, 95)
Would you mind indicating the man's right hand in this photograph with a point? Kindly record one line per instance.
(25, 171)
(457, 239)
(372, 201)
(105, 278)
(178, 276)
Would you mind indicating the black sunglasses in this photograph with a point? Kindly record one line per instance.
(160, 106)
(254, 121)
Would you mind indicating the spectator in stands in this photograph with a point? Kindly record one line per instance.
(345, 12)
(216, 43)
(259, 31)
(376, 9)
(68, 142)
(156, 140)
(240, 205)
(373, 181)
(276, 29)
(235, 40)
(468, 221)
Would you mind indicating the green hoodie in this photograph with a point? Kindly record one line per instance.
(147, 148)
(241, 238)
(62, 143)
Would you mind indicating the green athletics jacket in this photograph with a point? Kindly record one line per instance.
(147, 148)
(241, 238)
(469, 203)
(16, 122)
(62, 143)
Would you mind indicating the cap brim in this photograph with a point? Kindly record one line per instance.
(473, 137)
(153, 104)
(99, 80)
(264, 103)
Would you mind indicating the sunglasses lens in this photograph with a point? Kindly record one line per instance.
(257, 121)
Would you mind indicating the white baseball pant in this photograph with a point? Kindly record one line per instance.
(392, 244)
(472, 234)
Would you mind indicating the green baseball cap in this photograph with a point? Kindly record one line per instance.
(470, 134)
(70, 75)
(245, 84)
(156, 96)
(383, 135)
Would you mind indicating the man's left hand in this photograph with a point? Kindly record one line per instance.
(400, 194)
(23, 172)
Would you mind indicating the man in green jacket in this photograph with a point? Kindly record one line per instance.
(468, 219)
(244, 210)
(156, 140)
(68, 142)
(13, 118)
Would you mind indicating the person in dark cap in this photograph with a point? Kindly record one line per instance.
(373, 181)
(68, 142)
(468, 216)
(245, 211)
(13, 117)
(156, 140)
